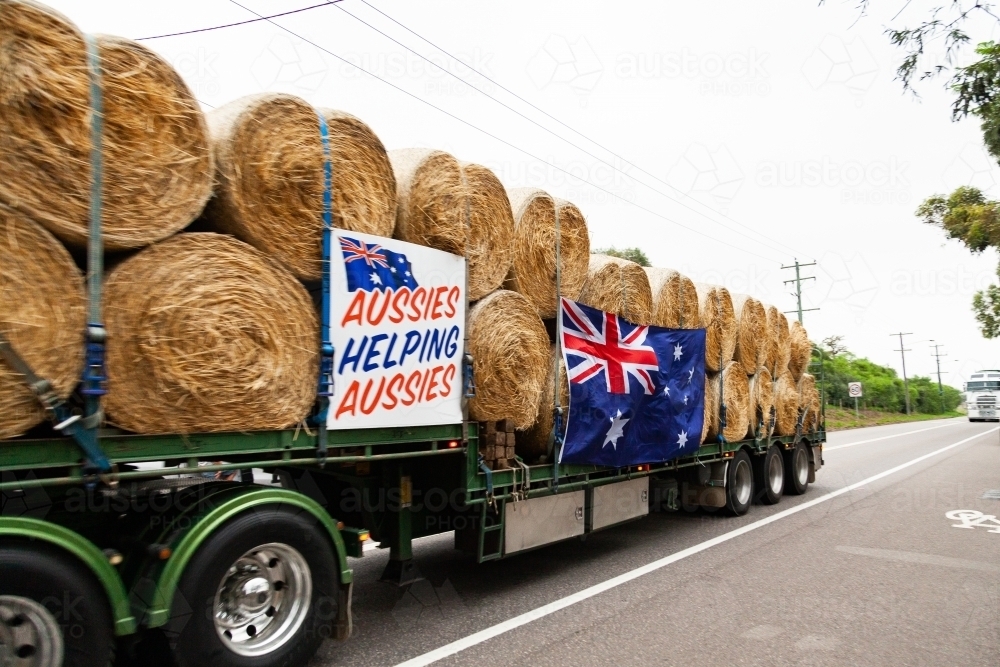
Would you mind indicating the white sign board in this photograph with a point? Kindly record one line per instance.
(854, 389)
(397, 321)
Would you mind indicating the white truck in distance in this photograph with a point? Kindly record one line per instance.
(982, 394)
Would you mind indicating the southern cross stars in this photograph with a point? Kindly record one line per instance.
(678, 352)
(682, 439)
(616, 431)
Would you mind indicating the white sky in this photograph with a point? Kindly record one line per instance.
(779, 116)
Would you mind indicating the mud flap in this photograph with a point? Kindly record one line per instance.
(345, 622)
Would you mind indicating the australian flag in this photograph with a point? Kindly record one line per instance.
(637, 393)
(371, 267)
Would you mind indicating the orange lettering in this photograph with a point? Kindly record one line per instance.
(355, 310)
(350, 395)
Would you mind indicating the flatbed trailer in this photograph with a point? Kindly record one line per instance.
(132, 543)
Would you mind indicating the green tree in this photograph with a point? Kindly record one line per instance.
(968, 216)
(632, 254)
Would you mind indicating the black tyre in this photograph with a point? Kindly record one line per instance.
(797, 469)
(53, 612)
(739, 484)
(261, 592)
(769, 475)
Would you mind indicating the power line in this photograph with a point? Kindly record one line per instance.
(569, 127)
(543, 127)
(230, 25)
(503, 141)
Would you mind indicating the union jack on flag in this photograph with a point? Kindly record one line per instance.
(607, 348)
(370, 267)
(636, 392)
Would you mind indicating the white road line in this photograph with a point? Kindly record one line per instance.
(552, 607)
(886, 437)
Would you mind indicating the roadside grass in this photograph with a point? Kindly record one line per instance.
(839, 419)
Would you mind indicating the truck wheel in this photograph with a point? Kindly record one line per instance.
(261, 592)
(739, 484)
(769, 475)
(52, 610)
(797, 469)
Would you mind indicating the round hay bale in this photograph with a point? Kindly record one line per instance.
(533, 270)
(761, 402)
(618, 286)
(533, 443)
(42, 314)
(510, 349)
(675, 299)
(206, 333)
(786, 405)
(778, 351)
(269, 157)
(800, 350)
(809, 403)
(157, 160)
(751, 332)
(735, 396)
(457, 207)
(716, 316)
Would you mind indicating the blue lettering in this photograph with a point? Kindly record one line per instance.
(437, 345)
(423, 348)
(451, 346)
(389, 363)
(347, 358)
(410, 345)
(373, 352)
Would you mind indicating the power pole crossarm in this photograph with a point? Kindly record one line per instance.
(798, 286)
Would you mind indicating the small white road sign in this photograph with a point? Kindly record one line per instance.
(854, 389)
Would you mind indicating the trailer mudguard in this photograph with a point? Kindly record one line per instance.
(158, 611)
(87, 553)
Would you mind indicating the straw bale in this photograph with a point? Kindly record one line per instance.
(533, 271)
(735, 395)
(675, 299)
(809, 403)
(269, 157)
(778, 351)
(458, 207)
(618, 286)
(716, 316)
(761, 401)
(751, 332)
(533, 443)
(510, 349)
(800, 350)
(157, 159)
(42, 314)
(786, 405)
(206, 333)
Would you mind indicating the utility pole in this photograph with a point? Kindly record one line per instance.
(937, 356)
(906, 383)
(798, 286)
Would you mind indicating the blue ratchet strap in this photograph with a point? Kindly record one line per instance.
(557, 425)
(94, 381)
(489, 477)
(325, 389)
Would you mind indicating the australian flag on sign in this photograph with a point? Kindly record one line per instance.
(637, 393)
(371, 267)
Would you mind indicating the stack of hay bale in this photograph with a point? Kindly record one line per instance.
(216, 228)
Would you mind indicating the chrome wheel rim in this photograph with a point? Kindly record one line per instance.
(263, 599)
(776, 473)
(801, 466)
(29, 634)
(742, 482)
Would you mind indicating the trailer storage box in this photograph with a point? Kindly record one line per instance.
(532, 523)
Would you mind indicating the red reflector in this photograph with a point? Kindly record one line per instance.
(453, 444)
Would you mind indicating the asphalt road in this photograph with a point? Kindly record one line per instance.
(865, 572)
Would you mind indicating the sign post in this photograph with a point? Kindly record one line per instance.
(854, 390)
